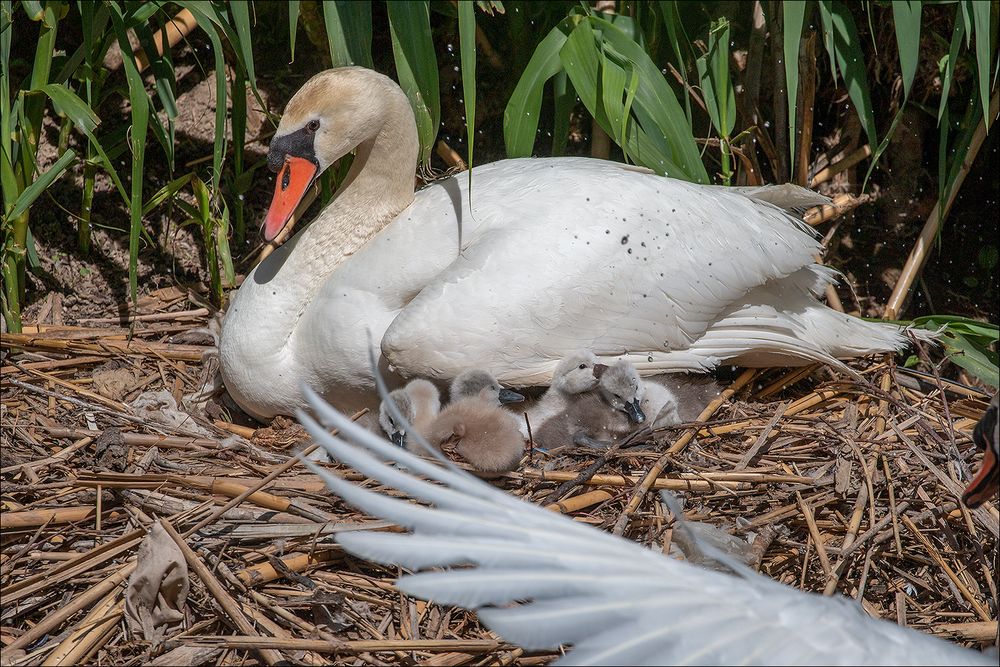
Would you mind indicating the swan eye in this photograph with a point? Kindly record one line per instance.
(582, 366)
(312, 125)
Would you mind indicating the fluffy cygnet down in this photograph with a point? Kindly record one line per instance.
(474, 428)
(677, 398)
(480, 383)
(418, 402)
(573, 376)
(613, 410)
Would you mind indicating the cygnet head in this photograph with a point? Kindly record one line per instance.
(620, 386)
(419, 400)
(480, 383)
(575, 373)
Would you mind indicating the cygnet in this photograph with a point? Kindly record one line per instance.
(475, 429)
(613, 410)
(676, 399)
(418, 402)
(572, 377)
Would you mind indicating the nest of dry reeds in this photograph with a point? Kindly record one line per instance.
(843, 484)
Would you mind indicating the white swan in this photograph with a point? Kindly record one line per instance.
(548, 256)
(616, 602)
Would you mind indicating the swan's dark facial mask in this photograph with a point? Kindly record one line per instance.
(293, 158)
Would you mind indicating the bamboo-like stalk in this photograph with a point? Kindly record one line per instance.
(34, 518)
(177, 28)
(82, 601)
(807, 103)
(918, 255)
(105, 347)
(848, 161)
(265, 572)
(817, 538)
(92, 632)
(576, 503)
(841, 204)
(477, 646)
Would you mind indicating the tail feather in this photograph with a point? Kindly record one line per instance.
(782, 324)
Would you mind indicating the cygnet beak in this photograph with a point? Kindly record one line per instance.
(398, 438)
(599, 370)
(508, 396)
(634, 412)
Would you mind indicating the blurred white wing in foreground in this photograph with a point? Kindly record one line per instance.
(614, 601)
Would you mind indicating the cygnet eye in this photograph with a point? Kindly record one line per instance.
(582, 366)
(312, 125)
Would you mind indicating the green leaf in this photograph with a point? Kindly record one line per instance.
(416, 65)
(40, 184)
(713, 75)
(850, 58)
(975, 359)
(167, 192)
(139, 100)
(947, 67)
(293, 24)
(31, 251)
(564, 99)
(520, 118)
(240, 11)
(825, 12)
(981, 23)
(467, 38)
(906, 18)
(349, 31)
(655, 101)
(70, 104)
(219, 145)
(672, 20)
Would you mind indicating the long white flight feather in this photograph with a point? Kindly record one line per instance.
(613, 600)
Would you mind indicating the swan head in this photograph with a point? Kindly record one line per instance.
(621, 388)
(575, 373)
(396, 431)
(475, 383)
(418, 400)
(332, 114)
(987, 436)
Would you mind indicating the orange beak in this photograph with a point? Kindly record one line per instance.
(294, 178)
(984, 485)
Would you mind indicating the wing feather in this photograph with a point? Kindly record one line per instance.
(615, 601)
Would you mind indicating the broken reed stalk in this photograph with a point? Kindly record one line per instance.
(640, 492)
(64, 612)
(841, 204)
(807, 102)
(90, 634)
(918, 256)
(106, 347)
(943, 564)
(843, 164)
(291, 463)
(576, 503)
(322, 646)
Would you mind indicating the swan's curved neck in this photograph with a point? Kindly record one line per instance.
(378, 186)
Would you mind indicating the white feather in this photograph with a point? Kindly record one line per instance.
(614, 601)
